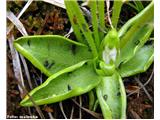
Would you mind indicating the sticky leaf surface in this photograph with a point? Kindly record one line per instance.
(52, 53)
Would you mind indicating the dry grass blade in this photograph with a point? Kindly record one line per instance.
(59, 3)
(80, 111)
(61, 107)
(16, 64)
(70, 31)
(72, 111)
(26, 72)
(19, 15)
(29, 111)
(16, 22)
(108, 13)
(24, 8)
(96, 115)
(150, 78)
(87, 13)
(50, 115)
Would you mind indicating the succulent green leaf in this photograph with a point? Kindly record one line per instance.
(139, 63)
(76, 80)
(112, 97)
(135, 42)
(135, 33)
(52, 53)
(134, 23)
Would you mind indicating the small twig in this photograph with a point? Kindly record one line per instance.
(61, 107)
(96, 115)
(68, 34)
(50, 115)
(150, 78)
(72, 111)
(80, 111)
(145, 90)
(31, 99)
(29, 111)
(108, 13)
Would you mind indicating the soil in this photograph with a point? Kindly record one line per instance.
(43, 18)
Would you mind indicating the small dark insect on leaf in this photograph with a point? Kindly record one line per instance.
(28, 42)
(69, 88)
(74, 19)
(137, 42)
(84, 27)
(105, 97)
(73, 49)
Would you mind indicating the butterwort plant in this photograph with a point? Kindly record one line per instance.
(96, 62)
